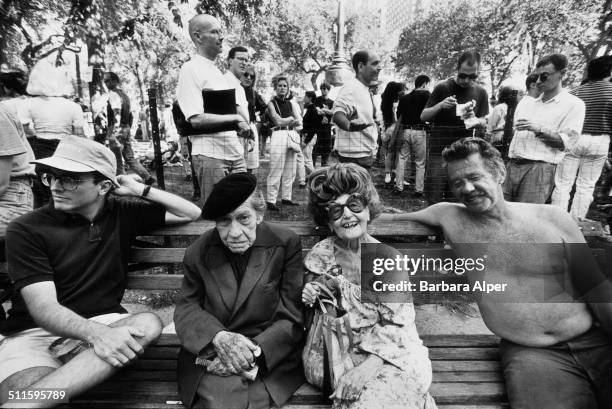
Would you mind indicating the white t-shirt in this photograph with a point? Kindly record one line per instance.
(355, 101)
(53, 117)
(198, 74)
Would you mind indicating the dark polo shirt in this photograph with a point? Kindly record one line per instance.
(86, 260)
(447, 127)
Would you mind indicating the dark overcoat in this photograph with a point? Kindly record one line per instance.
(265, 307)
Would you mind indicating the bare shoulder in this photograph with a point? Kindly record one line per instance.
(552, 217)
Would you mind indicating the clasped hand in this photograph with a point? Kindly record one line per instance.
(116, 345)
(234, 351)
(524, 124)
(310, 292)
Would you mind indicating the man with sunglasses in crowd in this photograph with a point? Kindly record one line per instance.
(546, 127)
(257, 108)
(68, 262)
(446, 125)
(237, 59)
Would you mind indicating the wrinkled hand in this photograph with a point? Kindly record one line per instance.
(449, 102)
(527, 125)
(130, 185)
(352, 382)
(234, 350)
(310, 293)
(216, 367)
(116, 345)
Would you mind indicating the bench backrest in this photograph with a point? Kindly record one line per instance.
(167, 245)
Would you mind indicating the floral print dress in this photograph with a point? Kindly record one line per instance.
(386, 330)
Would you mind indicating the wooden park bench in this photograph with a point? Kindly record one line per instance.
(466, 368)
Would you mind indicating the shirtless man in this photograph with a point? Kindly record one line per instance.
(554, 354)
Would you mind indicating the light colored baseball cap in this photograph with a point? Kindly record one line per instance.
(82, 155)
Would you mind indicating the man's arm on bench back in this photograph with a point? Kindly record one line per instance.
(432, 215)
(178, 210)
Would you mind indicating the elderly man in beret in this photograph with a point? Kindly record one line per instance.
(239, 318)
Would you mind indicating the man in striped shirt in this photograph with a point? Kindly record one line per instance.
(546, 127)
(586, 159)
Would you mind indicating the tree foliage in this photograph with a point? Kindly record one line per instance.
(506, 32)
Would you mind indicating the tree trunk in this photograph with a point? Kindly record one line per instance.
(315, 76)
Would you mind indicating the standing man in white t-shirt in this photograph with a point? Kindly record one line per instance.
(355, 112)
(214, 153)
(237, 60)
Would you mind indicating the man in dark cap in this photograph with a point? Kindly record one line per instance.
(239, 318)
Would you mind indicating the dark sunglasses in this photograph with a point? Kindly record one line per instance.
(356, 204)
(543, 76)
(247, 75)
(463, 76)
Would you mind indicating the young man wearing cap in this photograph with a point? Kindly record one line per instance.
(239, 317)
(68, 263)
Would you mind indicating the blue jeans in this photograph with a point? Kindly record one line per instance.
(575, 374)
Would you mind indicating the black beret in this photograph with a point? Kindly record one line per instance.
(228, 194)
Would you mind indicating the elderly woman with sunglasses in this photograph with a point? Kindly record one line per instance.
(391, 365)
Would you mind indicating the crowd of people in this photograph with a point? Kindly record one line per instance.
(246, 289)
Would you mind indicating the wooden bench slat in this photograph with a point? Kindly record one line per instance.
(431, 341)
(123, 404)
(154, 281)
(459, 392)
(154, 365)
(435, 354)
(466, 366)
(438, 366)
(170, 376)
(462, 354)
